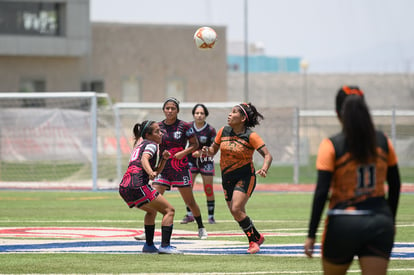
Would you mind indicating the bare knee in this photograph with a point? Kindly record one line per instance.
(151, 213)
(237, 213)
(170, 211)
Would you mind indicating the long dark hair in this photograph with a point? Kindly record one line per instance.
(141, 129)
(359, 129)
(342, 93)
(253, 117)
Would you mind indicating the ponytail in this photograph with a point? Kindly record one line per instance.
(359, 129)
(140, 129)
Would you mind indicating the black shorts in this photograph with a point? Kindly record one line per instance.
(138, 197)
(243, 179)
(347, 236)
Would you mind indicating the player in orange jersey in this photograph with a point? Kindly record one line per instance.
(237, 143)
(353, 166)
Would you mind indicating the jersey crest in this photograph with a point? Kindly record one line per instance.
(177, 135)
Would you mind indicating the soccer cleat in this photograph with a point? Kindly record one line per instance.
(211, 220)
(253, 248)
(140, 237)
(261, 240)
(149, 249)
(187, 219)
(202, 233)
(169, 250)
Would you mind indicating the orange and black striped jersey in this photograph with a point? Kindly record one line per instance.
(236, 149)
(353, 182)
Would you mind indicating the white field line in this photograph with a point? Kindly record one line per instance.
(176, 221)
(261, 272)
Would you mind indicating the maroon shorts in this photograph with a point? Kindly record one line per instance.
(138, 197)
(171, 177)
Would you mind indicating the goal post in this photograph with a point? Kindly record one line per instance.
(80, 140)
(51, 140)
(278, 129)
(291, 135)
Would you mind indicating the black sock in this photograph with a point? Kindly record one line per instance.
(210, 208)
(199, 221)
(248, 228)
(149, 234)
(166, 232)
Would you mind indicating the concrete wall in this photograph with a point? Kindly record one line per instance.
(60, 74)
(317, 91)
(155, 54)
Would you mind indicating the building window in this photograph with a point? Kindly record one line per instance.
(93, 86)
(28, 85)
(131, 91)
(31, 18)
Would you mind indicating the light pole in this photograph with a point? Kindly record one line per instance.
(246, 53)
(304, 65)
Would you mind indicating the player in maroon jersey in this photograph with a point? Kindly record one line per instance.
(177, 171)
(137, 192)
(200, 164)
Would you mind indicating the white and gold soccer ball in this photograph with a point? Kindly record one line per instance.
(205, 38)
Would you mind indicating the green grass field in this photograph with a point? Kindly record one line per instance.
(271, 212)
(55, 171)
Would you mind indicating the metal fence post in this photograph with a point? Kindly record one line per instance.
(296, 142)
(394, 128)
(118, 143)
(94, 134)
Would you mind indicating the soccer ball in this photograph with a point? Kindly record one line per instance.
(205, 38)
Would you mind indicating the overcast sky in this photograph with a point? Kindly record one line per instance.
(348, 36)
